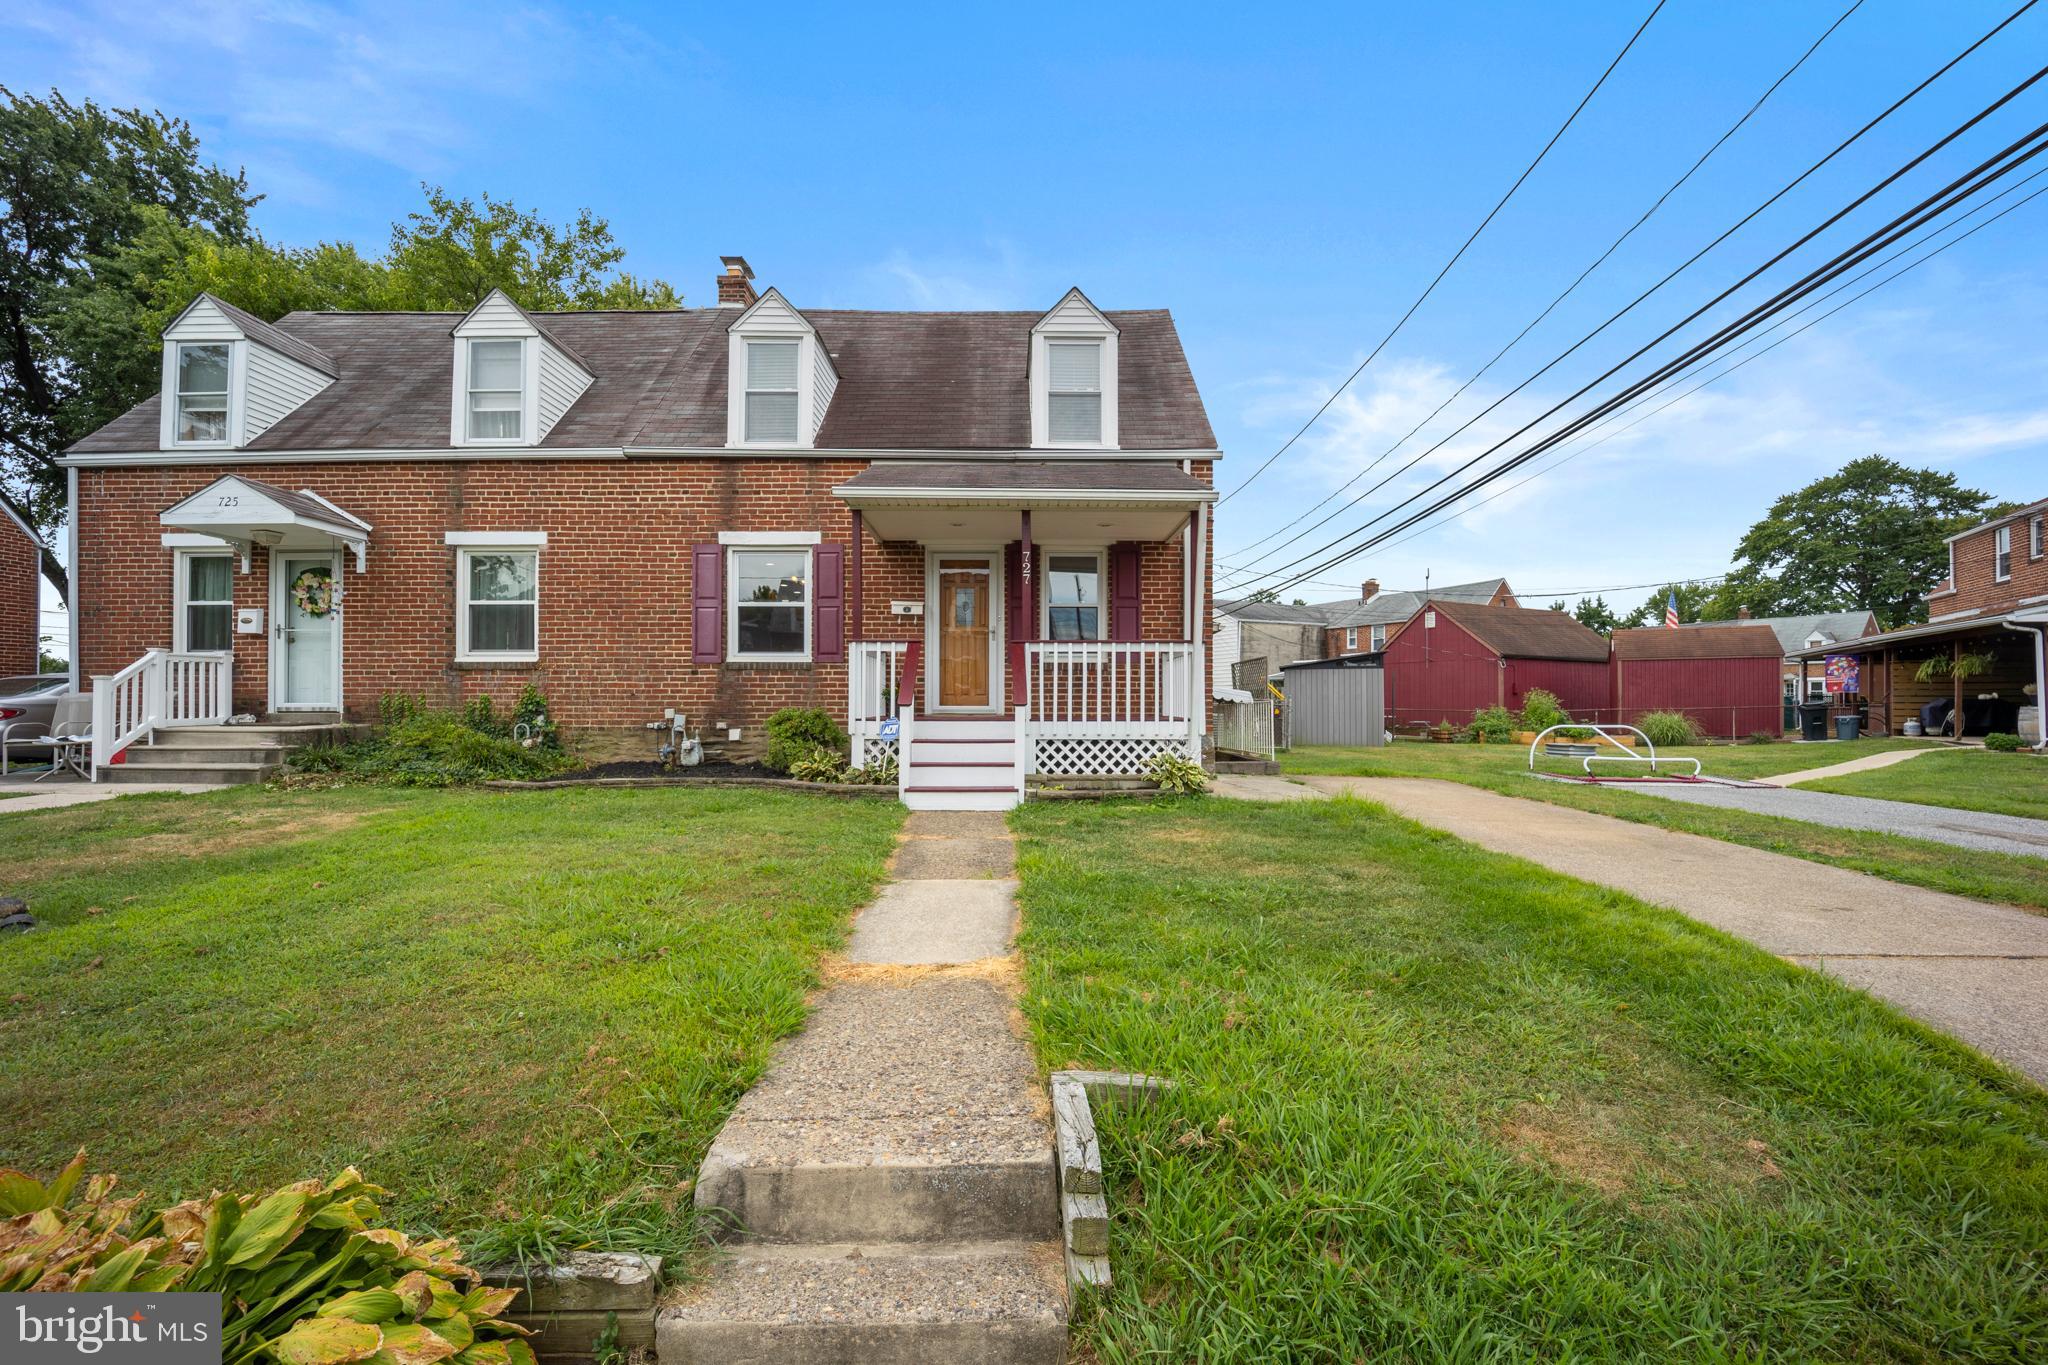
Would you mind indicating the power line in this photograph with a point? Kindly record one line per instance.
(1421, 298)
(1844, 145)
(1550, 307)
(1944, 199)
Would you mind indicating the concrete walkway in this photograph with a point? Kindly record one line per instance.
(1844, 768)
(888, 1185)
(1974, 829)
(1978, 971)
(20, 793)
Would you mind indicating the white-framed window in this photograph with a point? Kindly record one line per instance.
(1073, 599)
(771, 396)
(2035, 535)
(1073, 393)
(768, 604)
(2001, 567)
(205, 601)
(203, 371)
(1379, 638)
(1351, 637)
(1816, 689)
(497, 388)
(497, 604)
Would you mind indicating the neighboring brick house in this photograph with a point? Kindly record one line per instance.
(724, 511)
(21, 589)
(1372, 622)
(1282, 633)
(1993, 605)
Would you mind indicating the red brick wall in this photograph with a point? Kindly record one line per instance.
(615, 645)
(1976, 578)
(20, 598)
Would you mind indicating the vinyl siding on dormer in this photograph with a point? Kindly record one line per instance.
(275, 388)
(561, 384)
(824, 383)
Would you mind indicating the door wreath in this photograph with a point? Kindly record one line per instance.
(313, 592)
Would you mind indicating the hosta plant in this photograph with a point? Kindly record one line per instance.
(304, 1277)
(1172, 772)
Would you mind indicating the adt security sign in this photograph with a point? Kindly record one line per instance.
(110, 1329)
(891, 727)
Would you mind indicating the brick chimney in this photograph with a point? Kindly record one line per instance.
(736, 285)
(1742, 613)
(1368, 590)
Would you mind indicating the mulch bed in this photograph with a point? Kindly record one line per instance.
(645, 774)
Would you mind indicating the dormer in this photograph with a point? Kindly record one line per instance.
(229, 376)
(781, 378)
(513, 380)
(1073, 377)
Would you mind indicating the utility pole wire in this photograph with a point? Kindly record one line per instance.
(1841, 147)
(1424, 295)
(1550, 307)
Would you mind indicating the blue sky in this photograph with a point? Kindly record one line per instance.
(1285, 181)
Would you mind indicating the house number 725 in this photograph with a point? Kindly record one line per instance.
(229, 500)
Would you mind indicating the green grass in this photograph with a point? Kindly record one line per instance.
(1438, 1104)
(2003, 878)
(526, 1014)
(1963, 779)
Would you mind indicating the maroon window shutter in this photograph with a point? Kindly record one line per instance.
(1017, 628)
(1125, 614)
(828, 568)
(707, 604)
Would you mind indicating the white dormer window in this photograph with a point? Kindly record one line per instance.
(1073, 377)
(497, 389)
(772, 391)
(1074, 392)
(203, 379)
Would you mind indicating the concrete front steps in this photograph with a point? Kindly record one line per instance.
(887, 1191)
(222, 755)
(962, 763)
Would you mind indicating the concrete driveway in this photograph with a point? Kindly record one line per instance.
(1975, 970)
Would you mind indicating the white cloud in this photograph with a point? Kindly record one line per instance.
(993, 280)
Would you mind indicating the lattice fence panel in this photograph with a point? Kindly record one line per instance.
(1101, 757)
(875, 752)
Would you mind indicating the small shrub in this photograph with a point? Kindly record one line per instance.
(1176, 773)
(1760, 737)
(1541, 710)
(395, 708)
(793, 733)
(533, 712)
(1492, 725)
(819, 765)
(1668, 727)
(883, 774)
(304, 1273)
(2002, 743)
(429, 749)
(481, 715)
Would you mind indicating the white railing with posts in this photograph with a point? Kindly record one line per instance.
(1134, 690)
(873, 673)
(159, 690)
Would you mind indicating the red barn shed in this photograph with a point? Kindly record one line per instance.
(1727, 680)
(1454, 658)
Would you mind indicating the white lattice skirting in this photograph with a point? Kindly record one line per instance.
(1101, 757)
(875, 752)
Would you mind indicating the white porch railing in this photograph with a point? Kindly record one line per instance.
(158, 691)
(1106, 709)
(873, 674)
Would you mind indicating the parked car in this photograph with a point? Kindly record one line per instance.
(27, 702)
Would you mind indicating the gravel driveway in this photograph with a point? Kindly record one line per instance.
(1963, 828)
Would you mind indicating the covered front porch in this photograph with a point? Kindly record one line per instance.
(1964, 678)
(1052, 623)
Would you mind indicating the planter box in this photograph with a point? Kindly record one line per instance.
(1528, 737)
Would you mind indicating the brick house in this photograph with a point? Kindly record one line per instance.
(1372, 622)
(983, 533)
(21, 588)
(1283, 633)
(1993, 606)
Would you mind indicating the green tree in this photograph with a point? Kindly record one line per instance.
(1594, 614)
(454, 253)
(80, 184)
(1870, 537)
(1693, 598)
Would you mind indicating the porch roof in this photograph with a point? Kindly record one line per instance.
(1933, 630)
(243, 512)
(1071, 500)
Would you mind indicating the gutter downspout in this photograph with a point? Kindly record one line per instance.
(2040, 680)
(71, 569)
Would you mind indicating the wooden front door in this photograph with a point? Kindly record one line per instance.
(963, 632)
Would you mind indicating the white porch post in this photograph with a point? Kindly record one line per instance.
(1198, 711)
(71, 569)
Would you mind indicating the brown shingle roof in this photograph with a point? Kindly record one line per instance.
(908, 381)
(1730, 642)
(1095, 476)
(1518, 633)
(277, 339)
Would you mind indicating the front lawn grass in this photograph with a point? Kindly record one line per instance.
(2004, 878)
(1963, 779)
(525, 1013)
(1438, 1104)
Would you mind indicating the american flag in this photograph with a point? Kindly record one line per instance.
(1671, 612)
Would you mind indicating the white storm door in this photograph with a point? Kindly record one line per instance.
(305, 649)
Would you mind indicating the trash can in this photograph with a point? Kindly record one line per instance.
(1813, 720)
(1847, 724)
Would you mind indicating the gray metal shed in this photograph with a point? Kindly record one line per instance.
(1336, 701)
